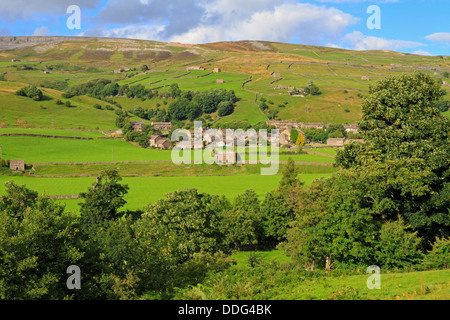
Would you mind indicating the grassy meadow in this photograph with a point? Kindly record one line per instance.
(284, 282)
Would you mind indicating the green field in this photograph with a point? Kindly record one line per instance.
(144, 190)
(267, 282)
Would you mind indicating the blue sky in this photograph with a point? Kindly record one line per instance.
(411, 26)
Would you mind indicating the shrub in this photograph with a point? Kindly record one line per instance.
(30, 92)
(439, 256)
(397, 247)
(225, 108)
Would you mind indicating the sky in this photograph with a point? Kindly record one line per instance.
(410, 26)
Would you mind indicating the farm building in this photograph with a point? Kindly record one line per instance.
(219, 81)
(15, 60)
(365, 78)
(312, 125)
(159, 142)
(137, 125)
(277, 75)
(336, 142)
(190, 145)
(225, 156)
(285, 137)
(351, 128)
(17, 165)
(216, 70)
(191, 68)
(162, 126)
(283, 124)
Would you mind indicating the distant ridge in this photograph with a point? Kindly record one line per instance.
(12, 43)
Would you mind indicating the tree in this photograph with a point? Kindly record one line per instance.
(397, 247)
(30, 92)
(294, 135)
(311, 89)
(225, 108)
(300, 140)
(37, 244)
(333, 225)
(144, 68)
(241, 225)
(104, 199)
(289, 179)
(17, 199)
(316, 135)
(336, 131)
(174, 91)
(443, 105)
(405, 156)
(193, 111)
(189, 221)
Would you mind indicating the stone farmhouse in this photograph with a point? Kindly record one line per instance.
(225, 156)
(162, 126)
(137, 125)
(17, 165)
(285, 137)
(312, 125)
(159, 142)
(283, 124)
(351, 128)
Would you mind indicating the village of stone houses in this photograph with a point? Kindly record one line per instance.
(146, 166)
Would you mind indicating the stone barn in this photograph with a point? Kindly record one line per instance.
(336, 142)
(225, 157)
(17, 165)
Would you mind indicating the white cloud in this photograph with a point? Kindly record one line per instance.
(41, 32)
(24, 9)
(358, 41)
(422, 53)
(254, 20)
(439, 37)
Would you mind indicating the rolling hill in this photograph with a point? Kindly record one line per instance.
(253, 69)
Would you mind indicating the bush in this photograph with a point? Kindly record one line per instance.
(59, 102)
(225, 108)
(439, 256)
(68, 104)
(397, 247)
(97, 106)
(30, 92)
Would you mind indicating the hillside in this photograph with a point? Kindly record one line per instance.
(253, 69)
